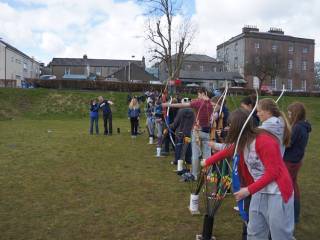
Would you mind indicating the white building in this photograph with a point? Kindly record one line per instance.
(16, 65)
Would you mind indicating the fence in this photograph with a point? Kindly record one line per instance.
(105, 86)
(8, 83)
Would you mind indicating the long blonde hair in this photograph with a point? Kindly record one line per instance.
(134, 103)
(269, 105)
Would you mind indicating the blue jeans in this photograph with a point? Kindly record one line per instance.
(94, 120)
(199, 150)
(182, 150)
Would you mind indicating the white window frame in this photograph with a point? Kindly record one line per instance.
(99, 71)
(290, 64)
(67, 70)
(305, 50)
(290, 49)
(304, 85)
(304, 66)
(289, 84)
(201, 68)
(274, 47)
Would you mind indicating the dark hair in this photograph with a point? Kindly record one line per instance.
(203, 90)
(237, 119)
(249, 100)
(269, 105)
(298, 112)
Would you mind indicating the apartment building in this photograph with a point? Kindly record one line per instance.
(17, 65)
(296, 54)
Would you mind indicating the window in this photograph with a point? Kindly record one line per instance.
(257, 60)
(256, 45)
(305, 50)
(188, 66)
(98, 71)
(304, 85)
(236, 46)
(236, 63)
(201, 68)
(25, 66)
(18, 77)
(67, 70)
(214, 69)
(290, 84)
(290, 64)
(274, 84)
(18, 61)
(274, 48)
(304, 65)
(290, 49)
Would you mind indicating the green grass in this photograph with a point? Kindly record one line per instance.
(58, 182)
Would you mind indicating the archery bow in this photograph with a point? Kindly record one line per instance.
(282, 92)
(166, 120)
(235, 173)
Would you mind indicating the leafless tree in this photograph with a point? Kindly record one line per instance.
(169, 42)
(266, 66)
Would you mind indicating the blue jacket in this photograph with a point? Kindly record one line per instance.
(94, 110)
(134, 112)
(105, 106)
(299, 140)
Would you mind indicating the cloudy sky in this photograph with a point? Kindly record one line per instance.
(116, 28)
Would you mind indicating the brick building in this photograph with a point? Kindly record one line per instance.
(296, 54)
(202, 70)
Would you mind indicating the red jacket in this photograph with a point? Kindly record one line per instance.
(268, 150)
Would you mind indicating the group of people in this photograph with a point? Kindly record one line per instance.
(102, 105)
(271, 149)
(202, 132)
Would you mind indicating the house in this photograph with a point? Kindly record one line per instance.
(102, 68)
(16, 65)
(296, 55)
(132, 73)
(202, 70)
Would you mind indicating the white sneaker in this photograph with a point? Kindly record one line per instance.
(236, 208)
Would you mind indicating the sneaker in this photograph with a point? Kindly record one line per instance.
(236, 208)
(187, 177)
(180, 173)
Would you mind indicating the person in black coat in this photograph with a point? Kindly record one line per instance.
(294, 154)
(107, 114)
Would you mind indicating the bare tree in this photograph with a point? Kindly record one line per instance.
(169, 41)
(265, 66)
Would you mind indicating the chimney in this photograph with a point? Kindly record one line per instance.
(85, 56)
(249, 28)
(276, 30)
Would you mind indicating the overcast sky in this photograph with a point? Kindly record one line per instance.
(115, 28)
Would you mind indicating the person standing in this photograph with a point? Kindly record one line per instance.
(200, 136)
(293, 155)
(104, 104)
(133, 115)
(267, 179)
(94, 116)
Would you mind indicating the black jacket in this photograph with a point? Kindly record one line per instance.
(299, 140)
(183, 122)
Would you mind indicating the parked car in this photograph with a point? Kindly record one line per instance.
(48, 77)
(192, 85)
(266, 89)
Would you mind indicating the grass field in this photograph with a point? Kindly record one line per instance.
(58, 182)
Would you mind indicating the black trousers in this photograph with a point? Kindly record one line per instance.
(107, 117)
(134, 126)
